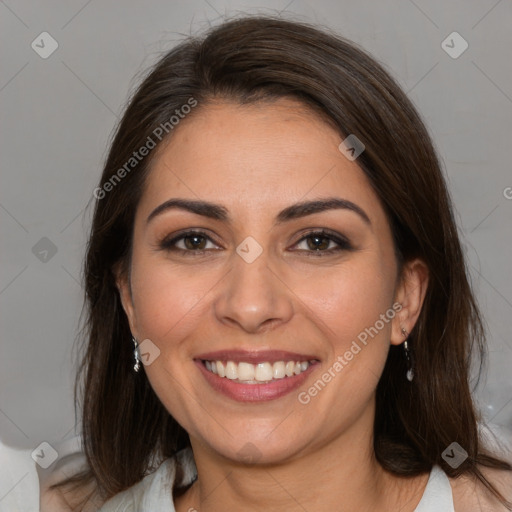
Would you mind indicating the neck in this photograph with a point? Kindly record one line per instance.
(341, 475)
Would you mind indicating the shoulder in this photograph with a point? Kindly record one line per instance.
(60, 500)
(86, 499)
(66, 499)
(470, 495)
(155, 490)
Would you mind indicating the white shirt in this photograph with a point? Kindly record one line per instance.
(154, 492)
(22, 480)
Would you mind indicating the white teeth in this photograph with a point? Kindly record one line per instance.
(246, 371)
(231, 371)
(253, 374)
(278, 370)
(263, 372)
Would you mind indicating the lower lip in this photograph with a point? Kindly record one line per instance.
(254, 392)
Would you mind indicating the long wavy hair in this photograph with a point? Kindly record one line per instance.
(125, 428)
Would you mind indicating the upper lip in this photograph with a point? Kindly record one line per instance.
(255, 356)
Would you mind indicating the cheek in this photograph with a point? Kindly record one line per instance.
(350, 299)
(170, 307)
(167, 299)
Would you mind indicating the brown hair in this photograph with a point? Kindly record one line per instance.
(124, 425)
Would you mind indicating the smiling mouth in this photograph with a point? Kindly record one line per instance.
(260, 373)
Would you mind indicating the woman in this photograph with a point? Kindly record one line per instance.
(279, 313)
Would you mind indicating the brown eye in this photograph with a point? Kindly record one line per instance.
(188, 242)
(318, 242)
(323, 242)
(194, 242)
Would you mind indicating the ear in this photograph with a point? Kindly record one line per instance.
(410, 293)
(123, 285)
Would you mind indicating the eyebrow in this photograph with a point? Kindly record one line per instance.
(295, 211)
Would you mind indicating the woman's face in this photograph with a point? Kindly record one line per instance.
(260, 287)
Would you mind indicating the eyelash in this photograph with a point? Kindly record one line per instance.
(343, 244)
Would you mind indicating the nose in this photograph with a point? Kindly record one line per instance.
(253, 297)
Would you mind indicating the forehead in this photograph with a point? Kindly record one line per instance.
(257, 157)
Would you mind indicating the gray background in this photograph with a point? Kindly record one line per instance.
(58, 114)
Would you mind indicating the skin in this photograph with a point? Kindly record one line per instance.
(263, 158)
(256, 160)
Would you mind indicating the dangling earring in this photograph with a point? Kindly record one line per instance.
(408, 357)
(136, 366)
